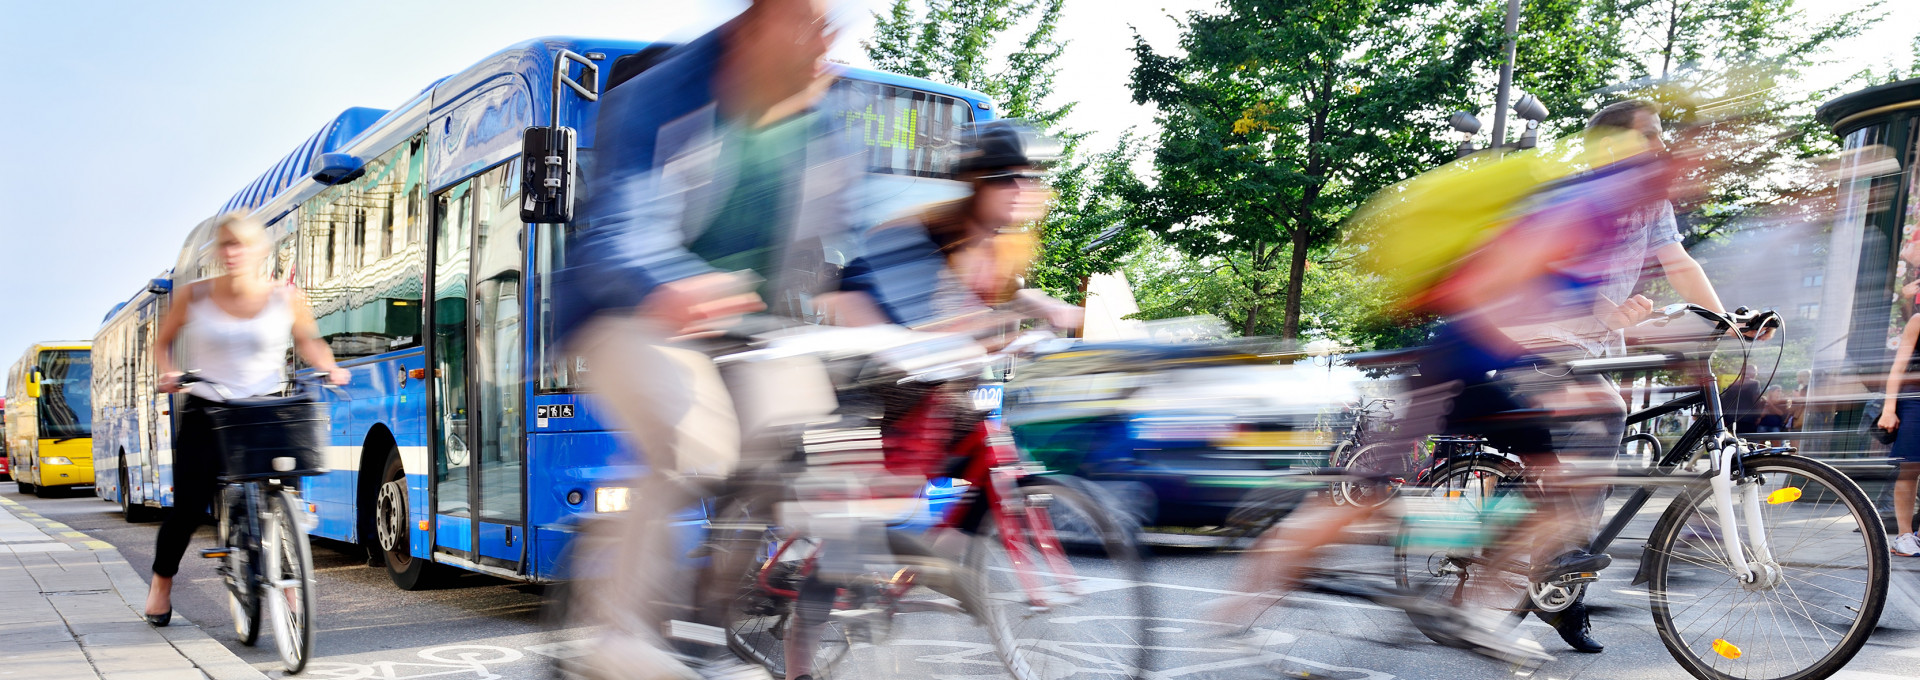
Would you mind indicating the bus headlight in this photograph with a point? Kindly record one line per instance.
(56, 460)
(610, 499)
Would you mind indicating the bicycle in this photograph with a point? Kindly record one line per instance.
(1042, 602)
(261, 522)
(1700, 555)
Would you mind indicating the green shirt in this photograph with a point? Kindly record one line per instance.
(752, 222)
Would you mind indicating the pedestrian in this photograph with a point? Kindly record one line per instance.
(1797, 409)
(1742, 401)
(1774, 410)
(1902, 404)
(235, 329)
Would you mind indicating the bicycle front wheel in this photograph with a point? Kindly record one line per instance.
(1812, 606)
(1053, 608)
(288, 584)
(237, 530)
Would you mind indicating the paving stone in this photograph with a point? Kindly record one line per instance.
(135, 657)
(169, 674)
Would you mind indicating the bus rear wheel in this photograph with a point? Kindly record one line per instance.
(134, 512)
(392, 535)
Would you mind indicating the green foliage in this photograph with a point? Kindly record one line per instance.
(956, 42)
(1281, 117)
(1341, 303)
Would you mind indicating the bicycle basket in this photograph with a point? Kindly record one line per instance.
(267, 437)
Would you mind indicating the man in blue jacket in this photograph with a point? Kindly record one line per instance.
(718, 187)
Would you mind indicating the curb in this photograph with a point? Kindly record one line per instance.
(188, 638)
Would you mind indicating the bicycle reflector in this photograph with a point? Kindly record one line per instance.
(1786, 495)
(1726, 649)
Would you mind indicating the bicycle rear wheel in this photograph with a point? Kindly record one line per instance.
(1806, 618)
(1443, 559)
(288, 583)
(1377, 459)
(237, 530)
(1051, 612)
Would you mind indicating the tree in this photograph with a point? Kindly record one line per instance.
(1284, 115)
(953, 42)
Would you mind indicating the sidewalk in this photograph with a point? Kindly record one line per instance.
(70, 610)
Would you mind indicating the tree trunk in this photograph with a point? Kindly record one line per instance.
(1303, 217)
(1253, 317)
(1296, 280)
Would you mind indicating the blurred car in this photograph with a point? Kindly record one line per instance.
(1179, 432)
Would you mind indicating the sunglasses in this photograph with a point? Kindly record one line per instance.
(1012, 177)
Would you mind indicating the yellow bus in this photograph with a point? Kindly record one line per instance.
(49, 417)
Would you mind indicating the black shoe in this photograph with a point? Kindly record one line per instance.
(1574, 628)
(1570, 562)
(160, 620)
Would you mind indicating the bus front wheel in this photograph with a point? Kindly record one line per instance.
(393, 536)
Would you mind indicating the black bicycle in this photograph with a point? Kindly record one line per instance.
(260, 519)
(1766, 565)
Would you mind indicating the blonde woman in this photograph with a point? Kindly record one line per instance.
(235, 329)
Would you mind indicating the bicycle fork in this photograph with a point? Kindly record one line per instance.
(1761, 570)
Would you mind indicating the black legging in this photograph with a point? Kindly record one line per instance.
(197, 465)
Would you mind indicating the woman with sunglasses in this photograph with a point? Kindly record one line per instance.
(962, 263)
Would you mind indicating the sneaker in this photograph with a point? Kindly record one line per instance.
(1905, 545)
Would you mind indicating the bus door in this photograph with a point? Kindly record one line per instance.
(479, 472)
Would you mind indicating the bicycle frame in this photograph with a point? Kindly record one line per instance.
(994, 468)
(1724, 478)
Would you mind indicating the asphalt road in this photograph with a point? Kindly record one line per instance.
(479, 627)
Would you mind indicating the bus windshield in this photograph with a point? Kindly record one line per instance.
(66, 394)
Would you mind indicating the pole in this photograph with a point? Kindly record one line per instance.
(1506, 76)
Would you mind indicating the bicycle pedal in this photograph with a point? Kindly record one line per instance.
(215, 553)
(1576, 577)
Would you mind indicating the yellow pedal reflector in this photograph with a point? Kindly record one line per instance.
(1726, 649)
(1786, 495)
(1455, 493)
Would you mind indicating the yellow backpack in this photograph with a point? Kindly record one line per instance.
(1417, 231)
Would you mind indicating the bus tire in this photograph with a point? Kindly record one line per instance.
(134, 512)
(392, 533)
(23, 486)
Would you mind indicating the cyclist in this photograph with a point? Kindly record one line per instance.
(234, 330)
(955, 266)
(1557, 284)
(718, 188)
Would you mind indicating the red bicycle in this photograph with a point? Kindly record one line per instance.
(1040, 565)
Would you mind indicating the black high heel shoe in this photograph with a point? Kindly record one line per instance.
(160, 620)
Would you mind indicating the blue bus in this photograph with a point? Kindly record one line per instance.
(463, 440)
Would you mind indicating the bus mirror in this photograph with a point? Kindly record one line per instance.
(33, 384)
(547, 175)
(338, 167)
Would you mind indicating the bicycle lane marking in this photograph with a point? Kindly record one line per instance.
(449, 660)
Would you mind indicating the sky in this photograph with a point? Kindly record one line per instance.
(130, 122)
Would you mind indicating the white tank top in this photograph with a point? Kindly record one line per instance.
(248, 357)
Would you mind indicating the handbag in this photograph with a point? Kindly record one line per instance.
(1870, 419)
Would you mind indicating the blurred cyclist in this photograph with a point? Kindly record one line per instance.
(718, 187)
(944, 267)
(1556, 285)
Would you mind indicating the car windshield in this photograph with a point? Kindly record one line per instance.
(66, 394)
